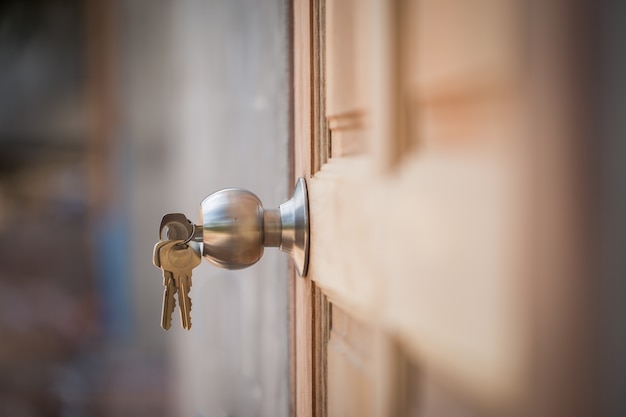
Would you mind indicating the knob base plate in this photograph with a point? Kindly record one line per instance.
(294, 216)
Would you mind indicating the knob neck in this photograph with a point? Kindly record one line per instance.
(272, 233)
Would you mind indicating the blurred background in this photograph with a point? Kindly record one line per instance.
(113, 113)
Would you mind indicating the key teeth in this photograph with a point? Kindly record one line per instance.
(171, 312)
(166, 324)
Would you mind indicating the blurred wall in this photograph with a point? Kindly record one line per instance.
(67, 325)
(205, 106)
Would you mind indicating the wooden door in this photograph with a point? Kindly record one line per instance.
(422, 127)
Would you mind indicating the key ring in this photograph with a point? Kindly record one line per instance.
(191, 236)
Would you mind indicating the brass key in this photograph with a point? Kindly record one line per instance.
(177, 260)
(169, 302)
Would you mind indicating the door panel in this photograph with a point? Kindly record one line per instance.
(422, 207)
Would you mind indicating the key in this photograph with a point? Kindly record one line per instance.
(180, 260)
(178, 227)
(169, 301)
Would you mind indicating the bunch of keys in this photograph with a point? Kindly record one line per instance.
(177, 257)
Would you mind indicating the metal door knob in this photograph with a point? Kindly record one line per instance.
(236, 228)
(234, 232)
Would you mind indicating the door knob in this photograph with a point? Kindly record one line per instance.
(234, 232)
(236, 228)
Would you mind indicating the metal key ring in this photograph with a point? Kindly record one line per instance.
(190, 238)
